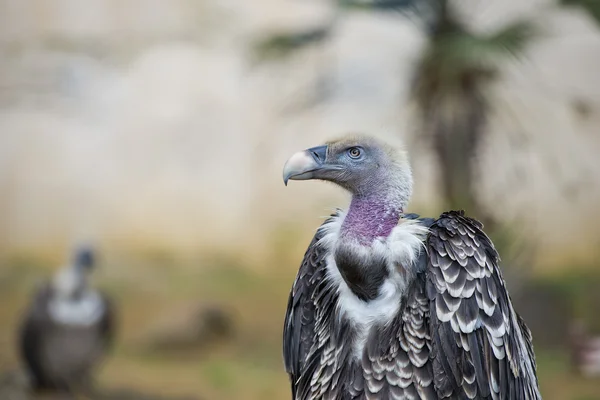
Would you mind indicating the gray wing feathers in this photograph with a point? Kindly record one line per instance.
(31, 330)
(305, 301)
(481, 347)
(396, 364)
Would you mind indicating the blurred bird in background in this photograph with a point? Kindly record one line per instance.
(190, 331)
(67, 329)
(585, 350)
(388, 305)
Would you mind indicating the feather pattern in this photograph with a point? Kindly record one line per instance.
(482, 349)
(453, 334)
(309, 302)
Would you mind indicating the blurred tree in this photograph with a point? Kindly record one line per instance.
(449, 86)
(592, 7)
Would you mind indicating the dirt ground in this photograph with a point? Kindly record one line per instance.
(244, 364)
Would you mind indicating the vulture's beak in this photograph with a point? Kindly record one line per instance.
(303, 165)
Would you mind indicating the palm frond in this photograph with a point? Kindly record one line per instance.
(280, 45)
(465, 49)
(456, 52)
(512, 39)
(457, 60)
(382, 5)
(422, 10)
(592, 7)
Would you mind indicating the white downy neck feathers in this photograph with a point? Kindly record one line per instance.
(64, 308)
(401, 249)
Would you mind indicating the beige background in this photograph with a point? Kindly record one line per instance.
(145, 125)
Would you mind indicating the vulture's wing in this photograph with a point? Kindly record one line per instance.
(480, 346)
(299, 333)
(33, 327)
(107, 322)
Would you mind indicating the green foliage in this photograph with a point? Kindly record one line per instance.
(450, 88)
(580, 287)
(281, 45)
(219, 374)
(578, 284)
(456, 58)
(382, 5)
(592, 7)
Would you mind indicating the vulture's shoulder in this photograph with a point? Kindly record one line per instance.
(40, 296)
(35, 322)
(481, 347)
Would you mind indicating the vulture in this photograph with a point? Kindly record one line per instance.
(389, 305)
(67, 328)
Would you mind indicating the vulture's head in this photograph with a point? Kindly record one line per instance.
(71, 281)
(363, 165)
(83, 258)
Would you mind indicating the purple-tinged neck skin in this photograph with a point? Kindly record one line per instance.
(370, 217)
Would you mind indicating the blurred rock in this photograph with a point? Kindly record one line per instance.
(195, 328)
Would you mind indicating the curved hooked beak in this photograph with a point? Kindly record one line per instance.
(304, 164)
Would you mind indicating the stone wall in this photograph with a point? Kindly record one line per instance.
(144, 124)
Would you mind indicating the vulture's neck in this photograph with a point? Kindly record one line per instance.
(71, 282)
(370, 217)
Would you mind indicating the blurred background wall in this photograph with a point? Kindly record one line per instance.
(147, 123)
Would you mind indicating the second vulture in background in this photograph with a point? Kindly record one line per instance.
(387, 305)
(67, 329)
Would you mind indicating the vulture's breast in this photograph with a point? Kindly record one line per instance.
(69, 351)
(84, 311)
(73, 342)
(372, 281)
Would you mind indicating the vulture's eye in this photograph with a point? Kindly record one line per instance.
(354, 152)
